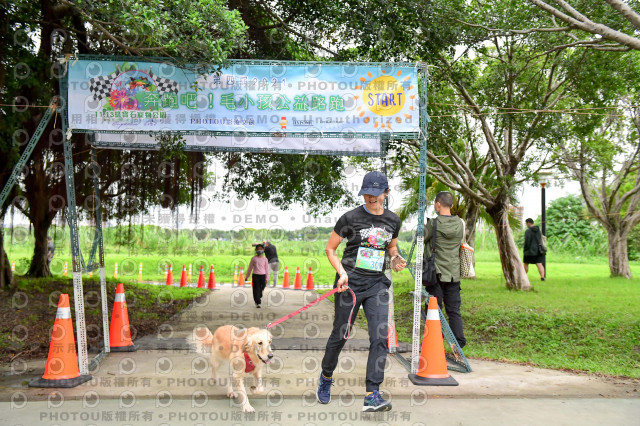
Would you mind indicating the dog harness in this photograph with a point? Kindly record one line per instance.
(250, 366)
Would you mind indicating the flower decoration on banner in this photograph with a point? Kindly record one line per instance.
(131, 89)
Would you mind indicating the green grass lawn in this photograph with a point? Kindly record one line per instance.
(148, 307)
(224, 257)
(578, 319)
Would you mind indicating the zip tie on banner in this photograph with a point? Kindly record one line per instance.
(421, 133)
(69, 133)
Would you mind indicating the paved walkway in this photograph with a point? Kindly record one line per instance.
(164, 383)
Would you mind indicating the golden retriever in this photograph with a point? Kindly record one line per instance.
(230, 344)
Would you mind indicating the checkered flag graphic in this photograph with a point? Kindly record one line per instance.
(164, 85)
(100, 87)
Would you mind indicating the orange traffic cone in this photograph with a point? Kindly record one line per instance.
(241, 277)
(201, 277)
(120, 331)
(310, 280)
(285, 279)
(212, 279)
(170, 275)
(297, 283)
(183, 277)
(432, 370)
(61, 370)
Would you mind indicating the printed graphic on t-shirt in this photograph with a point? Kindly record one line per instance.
(375, 237)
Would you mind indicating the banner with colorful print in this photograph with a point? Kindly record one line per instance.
(288, 100)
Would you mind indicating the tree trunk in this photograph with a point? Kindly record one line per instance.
(470, 221)
(39, 263)
(6, 277)
(618, 255)
(512, 267)
(41, 214)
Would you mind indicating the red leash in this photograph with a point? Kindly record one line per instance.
(347, 333)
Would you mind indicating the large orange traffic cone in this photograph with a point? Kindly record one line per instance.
(183, 277)
(170, 275)
(212, 279)
(297, 283)
(241, 277)
(201, 277)
(432, 370)
(310, 280)
(285, 279)
(61, 370)
(120, 331)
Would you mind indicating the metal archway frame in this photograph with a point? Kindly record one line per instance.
(77, 270)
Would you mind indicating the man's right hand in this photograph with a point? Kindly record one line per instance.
(343, 283)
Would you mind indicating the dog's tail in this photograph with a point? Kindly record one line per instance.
(200, 340)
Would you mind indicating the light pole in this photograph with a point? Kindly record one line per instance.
(543, 178)
(543, 222)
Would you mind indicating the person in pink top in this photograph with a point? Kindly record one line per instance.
(259, 265)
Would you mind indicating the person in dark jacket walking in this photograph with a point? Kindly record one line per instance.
(532, 243)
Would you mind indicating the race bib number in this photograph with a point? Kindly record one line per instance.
(370, 258)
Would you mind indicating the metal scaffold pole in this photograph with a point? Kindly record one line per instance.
(417, 293)
(103, 276)
(72, 217)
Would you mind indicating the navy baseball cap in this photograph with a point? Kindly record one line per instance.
(374, 183)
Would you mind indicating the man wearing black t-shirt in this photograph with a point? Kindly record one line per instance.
(371, 231)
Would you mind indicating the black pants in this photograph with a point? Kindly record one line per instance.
(375, 302)
(450, 294)
(258, 283)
